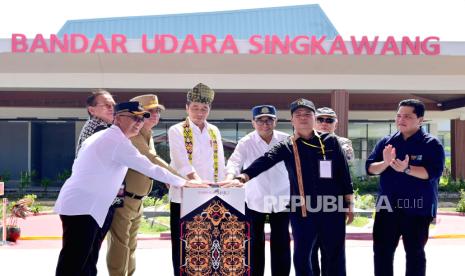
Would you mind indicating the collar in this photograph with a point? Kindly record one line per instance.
(415, 137)
(418, 135)
(194, 127)
(99, 121)
(145, 133)
(256, 137)
(315, 135)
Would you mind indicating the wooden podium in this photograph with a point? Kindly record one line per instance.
(215, 234)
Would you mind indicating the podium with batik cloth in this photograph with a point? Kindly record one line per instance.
(215, 234)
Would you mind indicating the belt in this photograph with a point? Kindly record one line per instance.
(134, 196)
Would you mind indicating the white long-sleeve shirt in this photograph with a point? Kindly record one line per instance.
(98, 172)
(269, 192)
(202, 155)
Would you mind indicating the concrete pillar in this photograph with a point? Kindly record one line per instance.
(458, 148)
(433, 128)
(340, 104)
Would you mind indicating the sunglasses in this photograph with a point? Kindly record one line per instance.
(137, 119)
(326, 120)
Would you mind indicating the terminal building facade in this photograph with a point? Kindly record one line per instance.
(250, 57)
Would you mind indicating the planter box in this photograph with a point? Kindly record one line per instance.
(12, 233)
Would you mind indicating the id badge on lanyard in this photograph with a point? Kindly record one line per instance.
(325, 166)
(326, 169)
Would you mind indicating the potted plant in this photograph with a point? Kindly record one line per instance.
(19, 209)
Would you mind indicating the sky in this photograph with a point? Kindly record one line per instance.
(445, 18)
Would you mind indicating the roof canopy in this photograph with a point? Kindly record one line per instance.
(281, 21)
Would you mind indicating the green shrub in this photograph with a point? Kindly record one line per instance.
(366, 202)
(45, 183)
(5, 176)
(450, 185)
(31, 196)
(366, 184)
(35, 207)
(461, 204)
(360, 221)
(160, 204)
(149, 201)
(25, 179)
(152, 227)
(63, 176)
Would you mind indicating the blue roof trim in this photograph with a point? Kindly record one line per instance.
(281, 21)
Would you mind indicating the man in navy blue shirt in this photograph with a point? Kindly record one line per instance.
(319, 178)
(410, 163)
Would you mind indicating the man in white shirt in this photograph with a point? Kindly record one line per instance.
(196, 152)
(100, 107)
(266, 195)
(97, 174)
(122, 238)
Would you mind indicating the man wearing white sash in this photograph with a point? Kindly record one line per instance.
(196, 152)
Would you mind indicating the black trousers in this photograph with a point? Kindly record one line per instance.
(387, 229)
(82, 239)
(279, 242)
(329, 229)
(315, 259)
(175, 214)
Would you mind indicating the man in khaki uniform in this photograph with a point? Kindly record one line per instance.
(122, 238)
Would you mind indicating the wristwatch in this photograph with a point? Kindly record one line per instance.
(240, 178)
(407, 170)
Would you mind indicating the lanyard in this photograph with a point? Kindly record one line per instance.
(322, 146)
(298, 168)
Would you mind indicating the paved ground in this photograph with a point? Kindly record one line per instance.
(448, 224)
(38, 254)
(445, 257)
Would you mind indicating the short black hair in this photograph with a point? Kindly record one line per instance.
(418, 106)
(95, 93)
(91, 99)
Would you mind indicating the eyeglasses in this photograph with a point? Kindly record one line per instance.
(137, 119)
(155, 110)
(107, 106)
(326, 120)
(268, 122)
